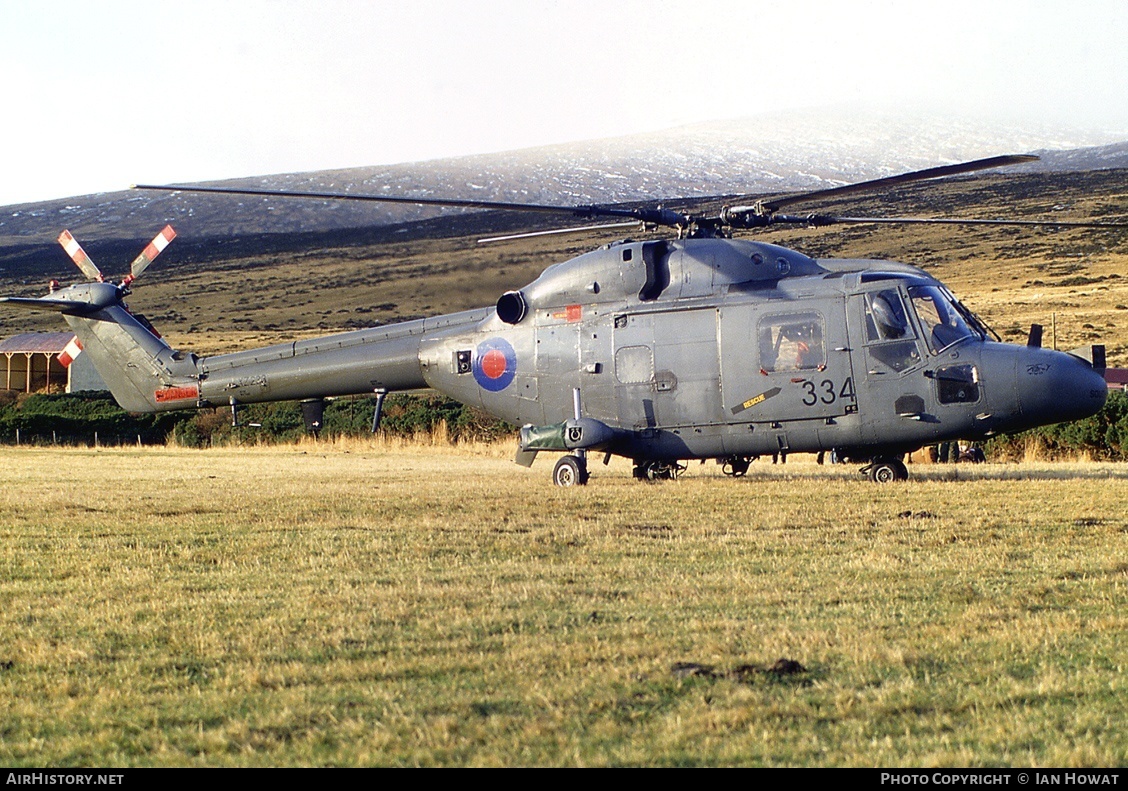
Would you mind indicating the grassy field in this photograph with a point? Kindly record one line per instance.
(387, 604)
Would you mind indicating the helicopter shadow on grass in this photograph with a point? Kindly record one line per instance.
(949, 473)
(1022, 472)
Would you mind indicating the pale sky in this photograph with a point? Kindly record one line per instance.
(98, 95)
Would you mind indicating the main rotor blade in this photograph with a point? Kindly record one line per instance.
(579, 229)
(824, 219)
(580, 211)
(775, 204)
(737, 216)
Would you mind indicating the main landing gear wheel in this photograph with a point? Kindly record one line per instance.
(649, 470)
(570, 471)
(887, 471)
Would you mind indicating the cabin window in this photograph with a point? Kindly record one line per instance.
(793, 342)
(957, 384)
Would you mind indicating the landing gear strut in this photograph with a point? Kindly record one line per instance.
(653, 470)
(570, 471)
(886, 470)
(736, 466)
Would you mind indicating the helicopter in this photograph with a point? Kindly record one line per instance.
(695, 347)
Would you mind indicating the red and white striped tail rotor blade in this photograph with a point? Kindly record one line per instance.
(72, 350)
(79, 256)
(151, 251)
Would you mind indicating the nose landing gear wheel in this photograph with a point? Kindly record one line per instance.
(570, 471)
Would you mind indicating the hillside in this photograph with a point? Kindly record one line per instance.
(759, 156)
(221, 294)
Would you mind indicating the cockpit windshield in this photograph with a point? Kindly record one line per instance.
(940, 317)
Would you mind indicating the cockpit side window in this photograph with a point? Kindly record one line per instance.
(793, 342)
(885, 317)
(957, 384)
(941, 321)
(890, 344)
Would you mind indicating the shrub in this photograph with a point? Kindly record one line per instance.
(77, 418)
(1103, 436)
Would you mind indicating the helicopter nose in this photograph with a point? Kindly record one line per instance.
(1056, 387)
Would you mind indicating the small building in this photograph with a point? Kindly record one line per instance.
(1117, 378)
(34, 362)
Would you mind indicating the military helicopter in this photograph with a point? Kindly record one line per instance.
(700, 346)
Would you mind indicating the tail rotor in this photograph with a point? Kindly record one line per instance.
(79, 256)
(151, 251)
(83, 261)
(142, 371)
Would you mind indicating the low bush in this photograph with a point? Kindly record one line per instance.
(83, 418)
(1104, 437)
(80, 418)
(86, 418)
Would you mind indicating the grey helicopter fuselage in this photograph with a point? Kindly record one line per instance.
(679, 349)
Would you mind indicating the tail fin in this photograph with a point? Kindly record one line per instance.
(142, 371)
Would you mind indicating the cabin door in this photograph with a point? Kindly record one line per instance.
(786, 362)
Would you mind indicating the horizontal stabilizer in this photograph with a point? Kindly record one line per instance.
(47, 303)
(1093, 354)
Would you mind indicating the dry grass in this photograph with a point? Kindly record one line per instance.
(397, 604)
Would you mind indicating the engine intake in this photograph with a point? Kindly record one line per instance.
(511, 307)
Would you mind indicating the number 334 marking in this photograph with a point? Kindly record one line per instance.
(826, 391)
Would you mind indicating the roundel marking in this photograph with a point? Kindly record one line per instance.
(495, 364)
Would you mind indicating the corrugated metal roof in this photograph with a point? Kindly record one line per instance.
(37, 342)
